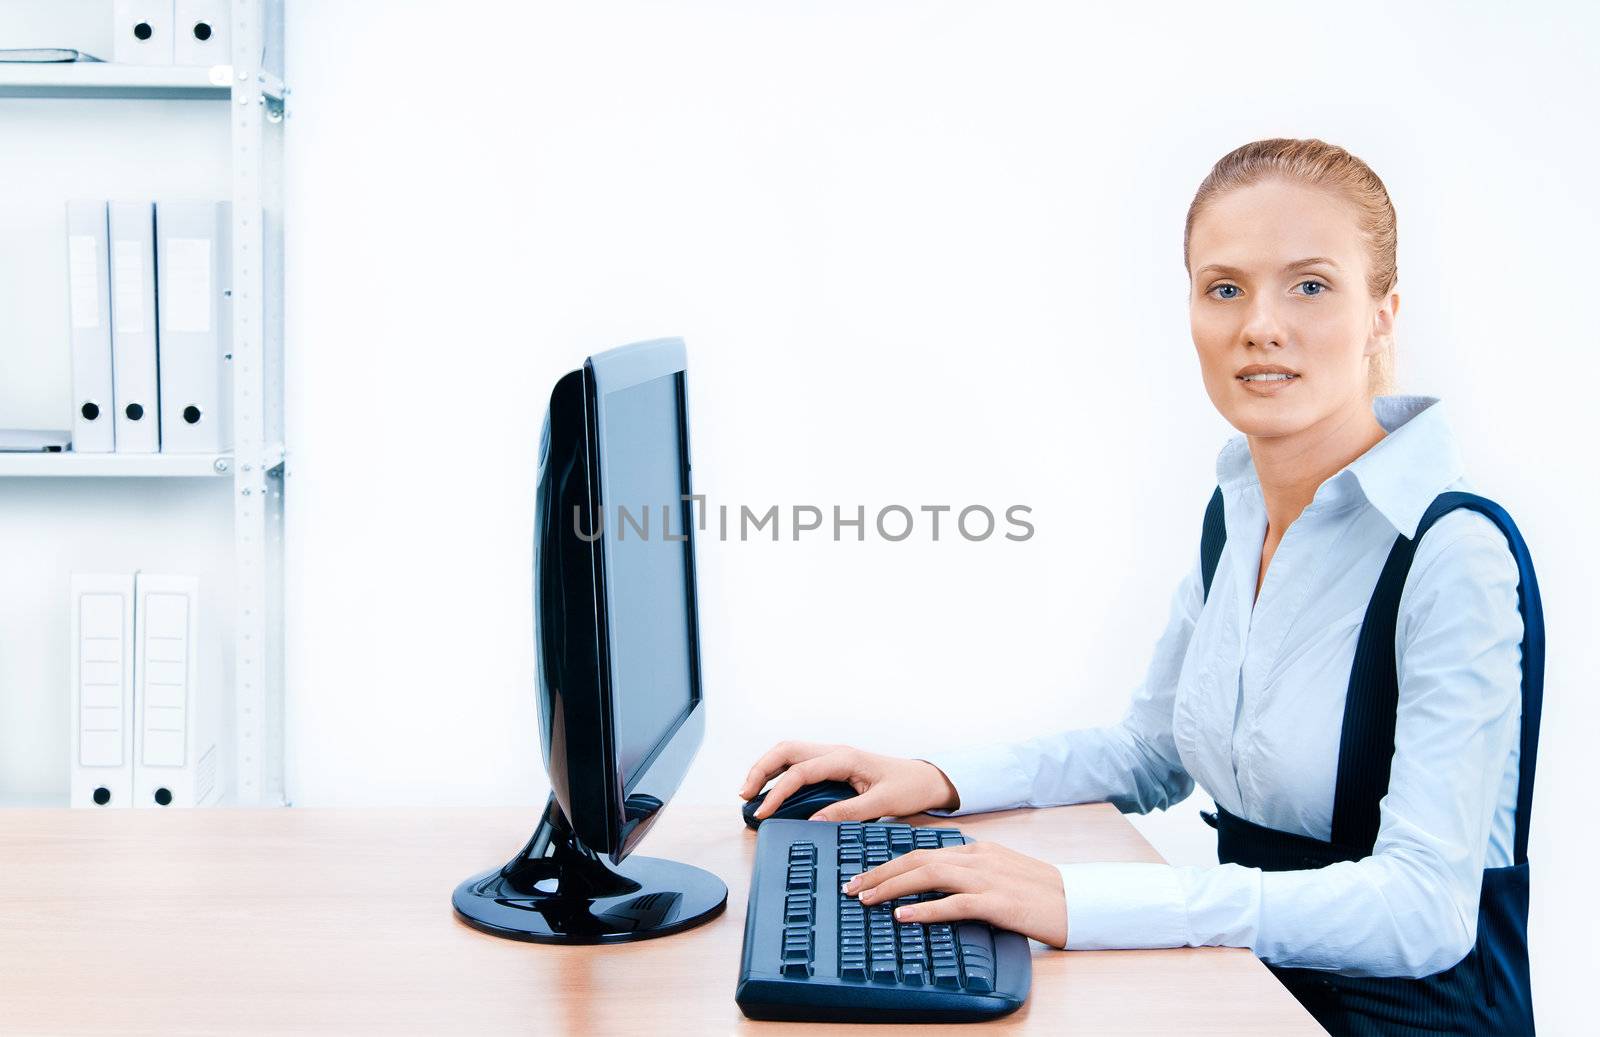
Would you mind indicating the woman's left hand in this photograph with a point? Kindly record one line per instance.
(982, 882)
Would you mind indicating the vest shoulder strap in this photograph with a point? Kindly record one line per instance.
(1366, 746)
(1212, 536)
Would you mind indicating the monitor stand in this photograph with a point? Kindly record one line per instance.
(557, 890)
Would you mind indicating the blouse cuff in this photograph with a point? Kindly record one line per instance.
(985, 778)
(1124, 907)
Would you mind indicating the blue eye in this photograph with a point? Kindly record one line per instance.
(1226, 291)
(1312, 287)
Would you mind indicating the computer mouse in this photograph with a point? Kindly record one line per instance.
(806, 800)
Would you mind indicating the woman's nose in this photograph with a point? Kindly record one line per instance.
(1262, 327)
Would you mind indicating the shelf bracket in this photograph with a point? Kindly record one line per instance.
(272, 87)
(272, 94)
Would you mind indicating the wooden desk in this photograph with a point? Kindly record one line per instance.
(339, 921)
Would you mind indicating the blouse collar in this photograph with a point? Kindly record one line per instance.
(1399, 476)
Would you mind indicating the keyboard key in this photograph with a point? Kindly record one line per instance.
(977, 955)
(912, 973)
(980, 979)
(975, 938)
(883, 971)
(797, 969)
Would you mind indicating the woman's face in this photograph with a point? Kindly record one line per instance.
(1278, 286)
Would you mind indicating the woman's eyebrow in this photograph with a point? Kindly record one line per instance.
(1230, 271)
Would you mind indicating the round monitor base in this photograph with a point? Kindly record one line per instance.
(650, 897)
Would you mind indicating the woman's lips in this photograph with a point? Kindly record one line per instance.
(1271, 387)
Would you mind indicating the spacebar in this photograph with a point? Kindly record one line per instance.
(977, 956)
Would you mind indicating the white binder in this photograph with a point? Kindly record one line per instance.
(89, 324)
(175, 743)
(193, 332)
(102, 691)
(200, 33)
(142, 32)
(133, 327)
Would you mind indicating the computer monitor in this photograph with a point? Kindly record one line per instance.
(618, 639)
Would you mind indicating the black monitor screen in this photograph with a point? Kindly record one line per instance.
(648, 588)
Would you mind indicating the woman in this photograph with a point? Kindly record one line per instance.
(1372, 800)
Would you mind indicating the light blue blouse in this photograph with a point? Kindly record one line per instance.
(1246, 697)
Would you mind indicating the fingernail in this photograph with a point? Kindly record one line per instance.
(852, 884)
(902, 913)
(866, 897)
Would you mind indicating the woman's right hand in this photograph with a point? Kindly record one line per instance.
(886, 786)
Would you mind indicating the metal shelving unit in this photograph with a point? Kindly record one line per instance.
(253, 88)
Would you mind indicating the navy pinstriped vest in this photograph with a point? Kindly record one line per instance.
(1488, 991)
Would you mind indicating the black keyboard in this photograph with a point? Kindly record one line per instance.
(811, 952)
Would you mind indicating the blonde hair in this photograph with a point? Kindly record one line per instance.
(1317, 164)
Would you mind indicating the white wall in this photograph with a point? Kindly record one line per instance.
(922, 253)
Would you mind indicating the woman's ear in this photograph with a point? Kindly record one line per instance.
(1383, 322)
